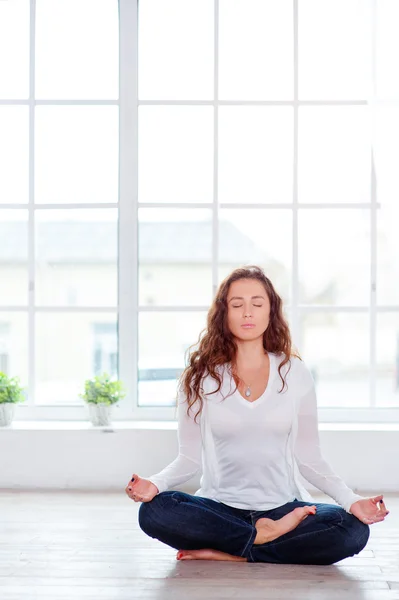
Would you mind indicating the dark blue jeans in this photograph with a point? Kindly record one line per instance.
(187, 522)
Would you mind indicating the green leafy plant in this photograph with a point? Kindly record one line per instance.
(10, 390)
(101, 390)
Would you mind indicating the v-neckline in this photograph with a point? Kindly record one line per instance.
(266, 392)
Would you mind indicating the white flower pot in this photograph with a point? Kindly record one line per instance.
(100, 414)
(7, 410)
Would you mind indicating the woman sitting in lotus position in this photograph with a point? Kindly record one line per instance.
(247, 415)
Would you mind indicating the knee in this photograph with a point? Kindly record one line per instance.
(147, 515)
(152, 514)
(144, 516)
(351, 535)
(358, 534)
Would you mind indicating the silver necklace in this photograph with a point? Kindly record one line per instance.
(248, 390)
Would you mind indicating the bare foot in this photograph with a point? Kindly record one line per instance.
(207, 554)
(269, 530)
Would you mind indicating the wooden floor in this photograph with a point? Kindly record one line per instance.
(65, 545)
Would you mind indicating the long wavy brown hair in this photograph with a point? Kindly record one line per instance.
(216, 345)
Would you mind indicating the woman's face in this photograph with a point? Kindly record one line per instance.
(248, 309)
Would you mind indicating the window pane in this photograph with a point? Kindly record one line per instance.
(14, 45)
(76, 154)
(386, 161)
(334, 49)
(336, 348)
(175, 154)
(334, 154)
(166, 71)
(175, 255)
(14, 345)
(76, 257)
(386, 155)
(71, 347)
(163, 340)
(256, 50)
(255, 154)
(387, 48)
(77, 49)
(388, 255)
(13, 257)
(388, 359)
(14, 153)
(334, 257)
(255, 237)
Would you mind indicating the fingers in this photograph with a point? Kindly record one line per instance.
(372, 521)
(137, 498)
(377, 499)
(377, 518)
(383, 506)
(130, 488)
(383, 512)
(134, 480)
(135, 495)
(132, 491)
(382, 509)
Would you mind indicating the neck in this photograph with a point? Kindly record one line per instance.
(250, 355)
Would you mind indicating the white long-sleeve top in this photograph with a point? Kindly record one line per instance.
(251, 453)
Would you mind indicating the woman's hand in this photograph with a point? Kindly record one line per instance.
(370, 510)
(141, 490)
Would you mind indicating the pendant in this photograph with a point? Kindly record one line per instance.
(248, 392)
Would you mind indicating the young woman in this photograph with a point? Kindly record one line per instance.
(247, 415)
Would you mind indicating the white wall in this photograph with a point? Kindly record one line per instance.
(77, 456)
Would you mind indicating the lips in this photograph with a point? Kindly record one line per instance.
(248, 326)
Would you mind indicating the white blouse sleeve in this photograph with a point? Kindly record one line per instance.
(188, 461)
(308, 455)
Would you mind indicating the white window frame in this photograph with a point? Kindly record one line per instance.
(128, 308)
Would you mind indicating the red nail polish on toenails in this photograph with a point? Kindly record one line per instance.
(179, 555)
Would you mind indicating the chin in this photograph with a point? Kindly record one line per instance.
(247, 335)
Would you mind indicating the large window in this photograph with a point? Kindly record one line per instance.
(59, 188)
(149, 148)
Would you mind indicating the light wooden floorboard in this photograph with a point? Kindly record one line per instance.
(71, 545)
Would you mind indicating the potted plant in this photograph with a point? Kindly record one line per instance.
(10, 394)
(100, 394)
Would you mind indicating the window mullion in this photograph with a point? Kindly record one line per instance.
(31, 213)
(373, 215)
(128, 191)
(215, 206)
(295, 324)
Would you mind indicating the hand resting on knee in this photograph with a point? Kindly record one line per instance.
(141, 490)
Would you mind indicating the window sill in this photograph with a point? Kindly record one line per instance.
(87, 426)
(168, 426)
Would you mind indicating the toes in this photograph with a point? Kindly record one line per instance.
(304, 511)
(309, 510)
(184, 555)
(300, 511)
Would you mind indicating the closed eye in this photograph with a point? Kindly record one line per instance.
(240, 305)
